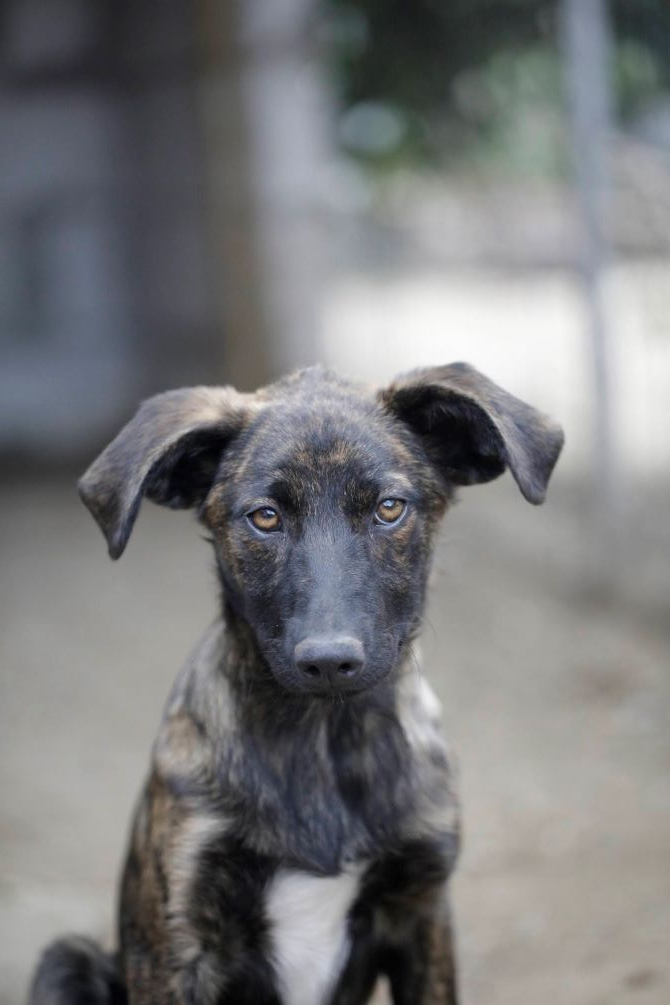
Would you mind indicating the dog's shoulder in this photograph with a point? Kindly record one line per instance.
(420, 715)
(197, 720)
(434, 761)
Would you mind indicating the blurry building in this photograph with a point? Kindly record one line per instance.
(160, 170)
(102, 242)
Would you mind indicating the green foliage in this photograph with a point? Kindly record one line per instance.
(478, 81)
(638, 74)
(515, 103)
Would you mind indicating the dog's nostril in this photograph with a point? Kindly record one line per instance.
(346, 669)
(311, 670)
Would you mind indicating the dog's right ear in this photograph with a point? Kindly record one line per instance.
(169, 452)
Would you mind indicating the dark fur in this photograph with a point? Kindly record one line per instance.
(258, 768)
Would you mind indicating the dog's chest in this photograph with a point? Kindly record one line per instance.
(309, 937)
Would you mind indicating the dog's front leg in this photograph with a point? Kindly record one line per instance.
(417, 956)
(422, 970)
(360, 974)
(192, 925)
(197, 958)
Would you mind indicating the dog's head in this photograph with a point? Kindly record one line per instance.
(322, 498)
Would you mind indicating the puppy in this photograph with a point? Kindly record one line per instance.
(299, 825)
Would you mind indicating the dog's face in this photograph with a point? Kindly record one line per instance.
(322, 499)
(322, 514)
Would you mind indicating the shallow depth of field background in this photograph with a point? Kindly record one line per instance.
(200, 192)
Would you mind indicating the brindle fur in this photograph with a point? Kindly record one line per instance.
(251, 771)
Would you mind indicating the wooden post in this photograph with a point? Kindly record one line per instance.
(587, 54)
(267, 133)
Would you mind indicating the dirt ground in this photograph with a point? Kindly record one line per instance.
(556, 700)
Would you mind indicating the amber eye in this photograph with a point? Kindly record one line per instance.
(266, 519)
(390, 510)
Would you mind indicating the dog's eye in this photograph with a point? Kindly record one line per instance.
(266, 519)
(390, 510)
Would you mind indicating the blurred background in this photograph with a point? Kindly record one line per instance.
(219, 192)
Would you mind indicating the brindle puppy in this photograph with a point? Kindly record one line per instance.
(299, 825)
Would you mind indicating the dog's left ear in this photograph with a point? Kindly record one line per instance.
(473, 430)
(169, 452)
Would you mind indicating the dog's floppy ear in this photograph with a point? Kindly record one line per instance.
(473, 430)
(169, 452)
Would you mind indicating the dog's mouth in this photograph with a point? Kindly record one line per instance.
(336, 695)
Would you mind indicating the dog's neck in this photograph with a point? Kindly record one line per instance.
(306, 780)
(309, 760)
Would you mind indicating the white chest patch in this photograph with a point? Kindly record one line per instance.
(309, 933)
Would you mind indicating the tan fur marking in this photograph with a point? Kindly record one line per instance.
(188, 842)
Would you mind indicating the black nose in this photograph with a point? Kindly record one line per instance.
(330, 663)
